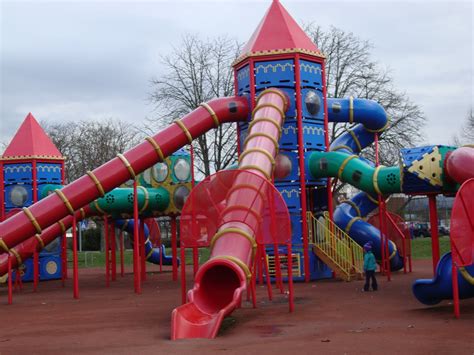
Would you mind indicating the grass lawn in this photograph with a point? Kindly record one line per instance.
(421, 247)
(96, 258)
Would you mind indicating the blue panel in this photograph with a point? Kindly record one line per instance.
(296, 230)
(294, 174)
(289, 137)
(318, 269)
(320, 199)
(26, 271)
(48, 173)
(29, 199)
(313, 135)
(243, 133)
(409, 155)
(311, 74)
(413, 184)
(277, 73)
(291, 194)
(50, 267)
(243, 80)
(14, 173)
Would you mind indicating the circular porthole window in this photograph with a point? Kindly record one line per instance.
(182, 169)
(147, 176)
(18, 195)
(312, 102)
(179, 197)
(160, 172)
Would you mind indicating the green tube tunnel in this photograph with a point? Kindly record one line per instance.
(119, 201)
(351, 169)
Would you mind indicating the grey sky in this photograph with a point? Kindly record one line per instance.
(75, 60)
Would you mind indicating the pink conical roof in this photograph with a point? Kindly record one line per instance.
(277, 33)
(31, 141)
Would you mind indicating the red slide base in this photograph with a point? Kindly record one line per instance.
(188, 321)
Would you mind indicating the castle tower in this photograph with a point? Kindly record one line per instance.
(30, 162)
(280, 54)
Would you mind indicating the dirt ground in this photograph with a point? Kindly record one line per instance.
(331, 317)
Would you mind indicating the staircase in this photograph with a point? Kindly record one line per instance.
(335, 248)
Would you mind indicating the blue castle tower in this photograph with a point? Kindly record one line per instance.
(279, 54)
(30, 162)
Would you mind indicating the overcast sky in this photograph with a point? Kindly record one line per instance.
(74, 60)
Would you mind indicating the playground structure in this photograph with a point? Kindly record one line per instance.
(283, 113)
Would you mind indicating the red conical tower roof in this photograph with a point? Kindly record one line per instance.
(31, 142)
(278, 33)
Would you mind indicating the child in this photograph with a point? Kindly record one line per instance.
(369, 267)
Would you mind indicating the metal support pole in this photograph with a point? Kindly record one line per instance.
(10, 282)
(75, 272)
(434, 231)
(35, 270)
(121, 240)
(107, 252)
(174, 251)
(113, 255)
(142, 250)
(136, 243)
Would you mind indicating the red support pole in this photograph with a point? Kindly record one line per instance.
(142, 250)
(174, 250)
(122, 268)
(290, 278)
(259, 264)
(75, 272)
(35, 270)
(253, 280)
(434, 231)
(113, 248)
(326, 141)
(454, 277)
(64, 257)
(136, 243)
(267, 277)
(195, 260)
(107, 253)
(183, 274)
(301, 159)
(10, 282)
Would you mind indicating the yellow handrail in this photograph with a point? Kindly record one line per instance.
(325, 235)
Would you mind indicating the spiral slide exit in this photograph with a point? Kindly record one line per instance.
(343, 162)
(39, 224)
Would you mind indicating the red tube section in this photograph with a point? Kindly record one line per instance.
(39, 216)
(221, 280)
(460, 163)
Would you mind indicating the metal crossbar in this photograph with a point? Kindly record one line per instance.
(335, 244)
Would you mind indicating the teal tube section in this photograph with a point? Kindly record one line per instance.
(353, 170)
(119, 202)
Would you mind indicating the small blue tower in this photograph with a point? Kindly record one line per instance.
(31, 161)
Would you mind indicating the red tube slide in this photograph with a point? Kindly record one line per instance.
(39, 216)
(221, 280)
(25, 249)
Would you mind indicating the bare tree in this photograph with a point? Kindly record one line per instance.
(466, 136)
(351, 70)
(195, 72)
(86, 144)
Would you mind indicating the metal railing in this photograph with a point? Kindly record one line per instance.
(332, 241)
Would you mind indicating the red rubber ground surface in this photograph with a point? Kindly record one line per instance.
(330, 317)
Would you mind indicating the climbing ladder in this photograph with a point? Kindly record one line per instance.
(335, 248)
